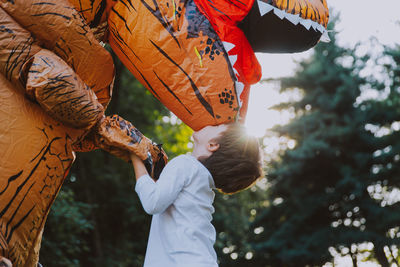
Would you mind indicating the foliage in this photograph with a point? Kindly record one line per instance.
(321, 189)
(232, 218)
(384, 122)
(69, 222)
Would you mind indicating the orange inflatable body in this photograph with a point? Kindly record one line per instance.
(35, 149)
(32, 172)
(195, 56)
(55, 82)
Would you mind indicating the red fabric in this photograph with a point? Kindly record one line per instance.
(224, 15)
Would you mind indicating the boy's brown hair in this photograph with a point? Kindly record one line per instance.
(236, 164)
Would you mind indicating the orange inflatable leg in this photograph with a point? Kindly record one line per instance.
(35, 156)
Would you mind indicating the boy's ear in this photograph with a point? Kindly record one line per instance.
(212, 145)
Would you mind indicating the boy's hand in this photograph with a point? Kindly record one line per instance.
(120, 138)
(138, 165)
(134, 158)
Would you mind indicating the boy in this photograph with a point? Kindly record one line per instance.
(181, 233)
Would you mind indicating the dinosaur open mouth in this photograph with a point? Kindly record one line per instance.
(270, 29)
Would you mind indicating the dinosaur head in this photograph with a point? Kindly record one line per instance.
(197, 56)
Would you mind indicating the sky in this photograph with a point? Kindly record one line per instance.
(359, 21)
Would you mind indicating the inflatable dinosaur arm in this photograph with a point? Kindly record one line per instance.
(57, 26)
(61, 93)
(120, 138)
(46, 78)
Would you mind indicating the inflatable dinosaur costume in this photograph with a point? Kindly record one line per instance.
(195, 56)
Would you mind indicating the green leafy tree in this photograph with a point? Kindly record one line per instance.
(384, 122)
(70, 223)
(232, 219)
(319, 197)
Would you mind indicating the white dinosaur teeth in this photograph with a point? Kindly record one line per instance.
(228, 46)
(294, 19)
(279, 13)
(232, 59)
(236, 73)
(239, 89)
(314, 26)
(306, 23)
(325, 37)
(264, 7)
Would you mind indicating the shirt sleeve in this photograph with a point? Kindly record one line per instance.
(157, 196)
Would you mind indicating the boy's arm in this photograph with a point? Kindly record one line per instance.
(157, 196)
(138, 165)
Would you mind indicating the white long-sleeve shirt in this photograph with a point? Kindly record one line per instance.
(181, 233)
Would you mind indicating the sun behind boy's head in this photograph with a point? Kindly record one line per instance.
(234, 160)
